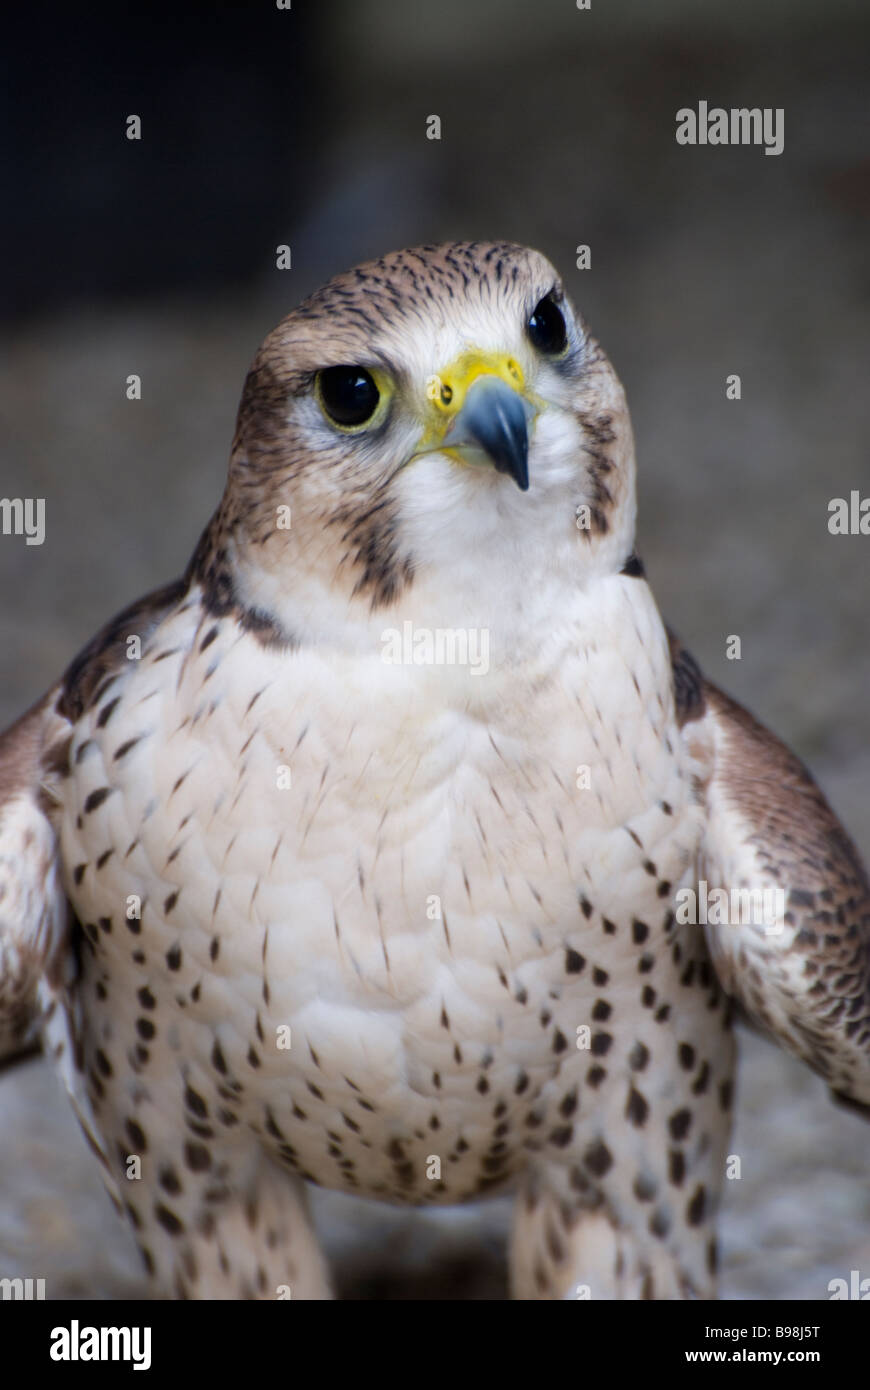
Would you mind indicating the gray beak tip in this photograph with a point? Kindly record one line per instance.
(494, 417)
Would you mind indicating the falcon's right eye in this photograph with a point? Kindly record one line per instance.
(348, 395)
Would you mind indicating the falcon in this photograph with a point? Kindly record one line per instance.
(294, 902)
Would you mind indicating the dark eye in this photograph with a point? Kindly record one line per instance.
(546, 327)
(349, 394)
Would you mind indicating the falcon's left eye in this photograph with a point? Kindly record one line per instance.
(546, 327)
(348, 395)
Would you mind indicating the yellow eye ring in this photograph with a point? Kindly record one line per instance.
(351, 397)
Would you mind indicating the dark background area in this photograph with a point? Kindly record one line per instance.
(308, 127)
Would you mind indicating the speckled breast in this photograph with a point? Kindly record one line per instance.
(405, 938)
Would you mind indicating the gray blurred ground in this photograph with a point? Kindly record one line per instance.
(704, 263)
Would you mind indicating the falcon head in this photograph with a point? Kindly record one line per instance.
(435, 421)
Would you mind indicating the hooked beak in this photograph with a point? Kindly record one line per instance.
(479, 412)
(493, 425)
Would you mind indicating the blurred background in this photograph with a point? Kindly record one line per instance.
(307, 127)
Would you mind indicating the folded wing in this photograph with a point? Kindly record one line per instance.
(802, 974)
(34, 912)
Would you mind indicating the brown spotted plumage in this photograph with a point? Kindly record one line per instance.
(358, 855)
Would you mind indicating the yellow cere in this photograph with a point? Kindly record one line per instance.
(446, 391)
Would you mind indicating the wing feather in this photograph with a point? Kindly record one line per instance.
(34, 912)
(805, 979)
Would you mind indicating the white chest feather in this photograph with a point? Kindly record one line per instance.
(387, 866)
